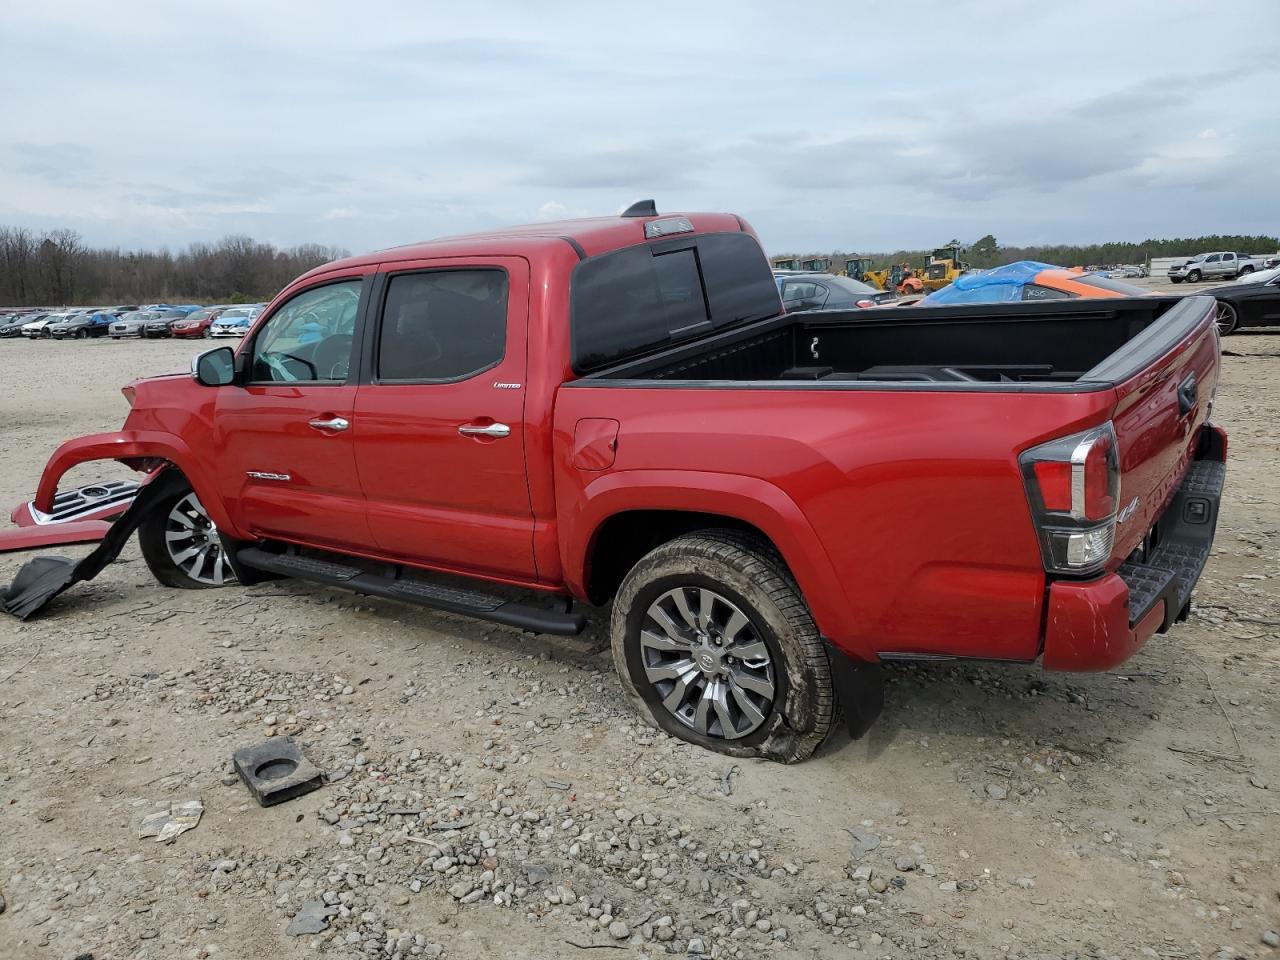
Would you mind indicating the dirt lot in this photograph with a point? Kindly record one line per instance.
(492, 798)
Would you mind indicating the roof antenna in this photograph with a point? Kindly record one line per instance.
(641, 208)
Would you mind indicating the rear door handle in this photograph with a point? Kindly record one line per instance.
(495, 430)
(336, 423)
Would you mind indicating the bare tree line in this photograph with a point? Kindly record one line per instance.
(57, 268)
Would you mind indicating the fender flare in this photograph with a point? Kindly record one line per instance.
(748, 499)
(128, 445)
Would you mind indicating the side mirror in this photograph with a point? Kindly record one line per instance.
(214, 368)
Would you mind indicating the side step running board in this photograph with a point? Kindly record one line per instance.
(471, 603)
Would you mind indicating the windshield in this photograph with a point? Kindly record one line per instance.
(1106, 283)
(1260, 276)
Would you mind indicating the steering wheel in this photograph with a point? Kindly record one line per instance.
(334, 355)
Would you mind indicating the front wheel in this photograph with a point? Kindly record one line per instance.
(1227, 318)
(180, 544)
(715, 645)
(82, 334)
(1193, 276)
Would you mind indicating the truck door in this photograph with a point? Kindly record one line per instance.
(282, 440)
(1227, 267)
(440, 445)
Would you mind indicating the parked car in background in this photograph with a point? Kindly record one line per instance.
(1251, 301)
(12, 326)
(1029, 280)
(36, 329)
(196, 324)
(1216, 266)
(235, 321)
(130, 325)
(826, 291)
(82, 326)
(159, 324)
(1128, 273)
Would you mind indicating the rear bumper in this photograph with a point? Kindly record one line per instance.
(1098, 624)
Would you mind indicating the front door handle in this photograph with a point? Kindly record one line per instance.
(495, 430)
(336, 423)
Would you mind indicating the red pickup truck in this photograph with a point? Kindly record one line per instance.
(618, 408)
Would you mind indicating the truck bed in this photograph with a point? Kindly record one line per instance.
(1069, 344)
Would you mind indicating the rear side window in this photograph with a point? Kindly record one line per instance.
(799, 290)
(442, 326)
(645, 297)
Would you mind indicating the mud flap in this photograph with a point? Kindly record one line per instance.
(40, 580)
(859, 690)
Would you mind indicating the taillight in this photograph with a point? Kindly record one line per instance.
(1073, 485)
(866, 303)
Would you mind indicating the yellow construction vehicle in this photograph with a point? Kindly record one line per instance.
(816, 265)
(785, 263)
(944, 266)
(898, 278)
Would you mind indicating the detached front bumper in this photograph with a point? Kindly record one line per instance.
(1098, 624)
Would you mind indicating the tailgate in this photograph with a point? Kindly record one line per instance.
(1166, 378)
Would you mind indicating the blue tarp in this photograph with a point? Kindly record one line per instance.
(1000, 285)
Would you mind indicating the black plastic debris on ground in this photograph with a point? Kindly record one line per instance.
(276, 771)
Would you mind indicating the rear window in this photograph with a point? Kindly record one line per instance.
(1106, 283)
(642, 298)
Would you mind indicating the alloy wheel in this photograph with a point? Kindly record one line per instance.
(707, 663)
(192, 541)
(1226, 318)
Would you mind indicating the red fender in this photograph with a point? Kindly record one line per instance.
(128, 445)
(748, 499)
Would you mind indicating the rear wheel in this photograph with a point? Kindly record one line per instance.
(1245, 271)
(181, 546)
(1227, 318)
(715, 645)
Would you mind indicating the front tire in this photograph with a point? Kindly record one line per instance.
(1227, 319)
(1193, 276)
(181, 546)
(715, 645)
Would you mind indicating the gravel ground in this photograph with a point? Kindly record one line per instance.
(490, 796)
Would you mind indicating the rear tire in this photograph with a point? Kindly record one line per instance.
(1245, 272)
(747, 675)
(181, 546)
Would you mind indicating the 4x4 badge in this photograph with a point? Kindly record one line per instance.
(1129, 510)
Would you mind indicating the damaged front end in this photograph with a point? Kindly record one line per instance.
(82, 515)
(42, 579)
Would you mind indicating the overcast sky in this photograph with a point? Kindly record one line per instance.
(366, 124)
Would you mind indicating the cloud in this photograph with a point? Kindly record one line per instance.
(1087, 122)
